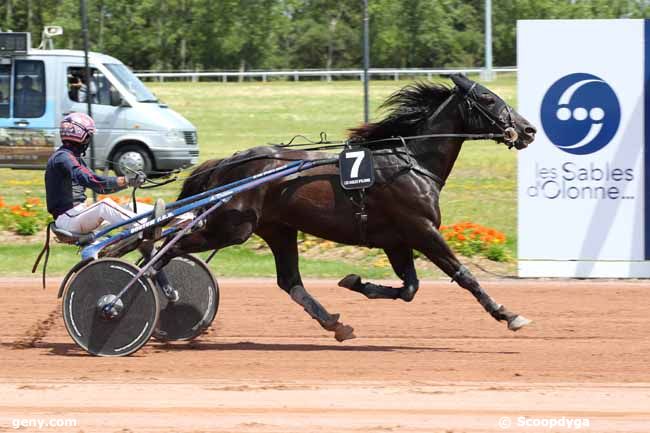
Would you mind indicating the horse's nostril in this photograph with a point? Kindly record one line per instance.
(530, 130)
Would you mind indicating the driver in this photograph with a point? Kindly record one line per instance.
(67, 177)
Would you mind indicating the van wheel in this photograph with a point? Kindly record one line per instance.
(134, 157)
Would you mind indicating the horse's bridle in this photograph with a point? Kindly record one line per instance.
(506, 126)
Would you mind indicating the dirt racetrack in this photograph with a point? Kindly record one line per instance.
(438, 364)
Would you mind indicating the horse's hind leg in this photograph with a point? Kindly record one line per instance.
(401, 259)
(283, 243)
(437, 250)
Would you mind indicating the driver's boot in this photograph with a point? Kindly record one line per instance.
(155, 232)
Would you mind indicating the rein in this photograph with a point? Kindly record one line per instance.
(509, 135)
(326, 145)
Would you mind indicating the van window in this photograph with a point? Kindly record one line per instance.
(5, 85)
(102, 92)
(29, 88)
(131, 82)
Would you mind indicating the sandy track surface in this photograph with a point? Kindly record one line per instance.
(438, 364)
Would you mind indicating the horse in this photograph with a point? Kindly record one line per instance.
(414, 149)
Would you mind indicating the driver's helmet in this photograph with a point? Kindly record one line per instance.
(77, 128)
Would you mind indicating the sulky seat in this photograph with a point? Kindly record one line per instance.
(73, 238)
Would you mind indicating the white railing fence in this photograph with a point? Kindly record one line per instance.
(323, 74)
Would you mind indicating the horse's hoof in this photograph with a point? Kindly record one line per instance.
(517, 323)
(408, 293)
(332, 323)
(351, 282)
(344, 332)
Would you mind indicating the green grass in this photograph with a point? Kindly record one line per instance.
(234, 261)
(235, 116)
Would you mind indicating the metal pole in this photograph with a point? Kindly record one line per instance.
(366, 60)
(89, 109)
(488, 74)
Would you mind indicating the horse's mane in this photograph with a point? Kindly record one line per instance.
(407, 107)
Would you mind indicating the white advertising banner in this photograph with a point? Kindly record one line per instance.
(581, 183)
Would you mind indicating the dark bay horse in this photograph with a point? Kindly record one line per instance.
(402, 207)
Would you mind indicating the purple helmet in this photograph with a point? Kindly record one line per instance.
(77, 128)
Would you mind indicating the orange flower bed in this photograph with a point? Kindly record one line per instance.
(26, 218)
(34, 201)
(467, 230)
(469, 239)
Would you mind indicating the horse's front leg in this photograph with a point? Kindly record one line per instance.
(432, 244)
(401, 259)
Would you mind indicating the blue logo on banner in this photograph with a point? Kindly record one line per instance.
(580, 113)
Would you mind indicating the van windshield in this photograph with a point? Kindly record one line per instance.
(131, 82)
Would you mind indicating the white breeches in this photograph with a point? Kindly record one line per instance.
(86, 218)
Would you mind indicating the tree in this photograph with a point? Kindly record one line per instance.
(252, 34)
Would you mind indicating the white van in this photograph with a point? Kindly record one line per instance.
(39, 87)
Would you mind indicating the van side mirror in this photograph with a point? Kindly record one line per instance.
(117, 100)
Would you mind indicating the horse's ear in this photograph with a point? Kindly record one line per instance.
(462, 82)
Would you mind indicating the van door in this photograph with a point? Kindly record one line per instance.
(27, 130)
(106, 108)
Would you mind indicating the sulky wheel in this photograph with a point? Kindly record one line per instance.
(93, 324)
(197, 303)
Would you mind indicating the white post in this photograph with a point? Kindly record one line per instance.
(488, 74)
(366, 62)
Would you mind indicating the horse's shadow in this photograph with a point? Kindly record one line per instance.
(70, 349)
(289, 347)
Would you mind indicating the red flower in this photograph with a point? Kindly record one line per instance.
(34, 201)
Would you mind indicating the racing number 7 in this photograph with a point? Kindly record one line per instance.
(358, 157)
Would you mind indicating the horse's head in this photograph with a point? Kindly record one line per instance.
(488, 113)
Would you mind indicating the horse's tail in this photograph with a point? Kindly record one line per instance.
(198, 180)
